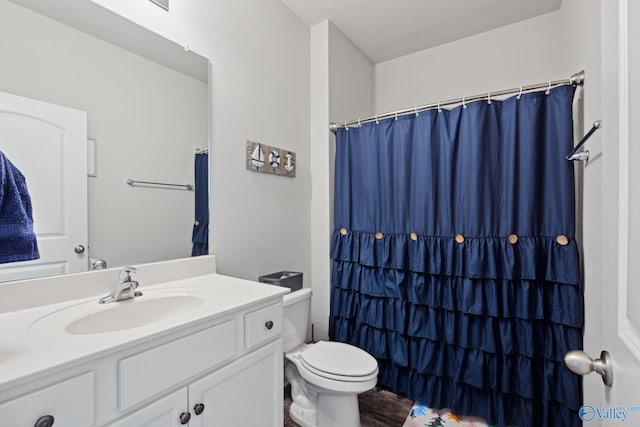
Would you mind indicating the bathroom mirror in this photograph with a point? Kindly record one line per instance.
(147, 105)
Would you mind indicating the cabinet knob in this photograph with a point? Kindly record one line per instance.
(185, 417)
(198, 408)
(269, 324)
(45, 421)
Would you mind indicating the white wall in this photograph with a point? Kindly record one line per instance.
(320, 184)
(351, 79)
(341, 88)
(523, 53)
(146, 118)
(260, 65)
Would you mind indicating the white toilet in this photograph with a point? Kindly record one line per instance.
(325, 377)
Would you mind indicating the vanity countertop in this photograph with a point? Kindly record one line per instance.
(33, 341)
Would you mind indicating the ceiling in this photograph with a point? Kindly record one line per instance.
(387, 29)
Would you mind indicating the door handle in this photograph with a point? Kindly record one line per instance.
(580, 363)
(79, 249)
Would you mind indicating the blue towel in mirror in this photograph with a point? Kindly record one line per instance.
(17, 239)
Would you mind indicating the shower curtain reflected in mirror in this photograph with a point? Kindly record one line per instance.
(200, 235)
(454, 257)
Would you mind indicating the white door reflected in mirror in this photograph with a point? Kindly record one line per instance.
(47, 143)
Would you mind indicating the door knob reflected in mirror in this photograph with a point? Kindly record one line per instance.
(580, 363)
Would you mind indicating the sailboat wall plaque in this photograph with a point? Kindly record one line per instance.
(272, 160)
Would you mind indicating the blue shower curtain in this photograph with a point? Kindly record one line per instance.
(454, 257)
(200, 235)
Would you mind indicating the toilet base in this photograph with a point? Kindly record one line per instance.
(313, 406)
(303, 405)
(338, 410)
(304, 416)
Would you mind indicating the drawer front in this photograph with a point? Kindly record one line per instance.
(262, 325)
(154, 371)
(69, 403)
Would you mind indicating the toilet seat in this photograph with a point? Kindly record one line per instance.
(338, 361)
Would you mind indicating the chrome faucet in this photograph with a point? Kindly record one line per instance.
(125, 289)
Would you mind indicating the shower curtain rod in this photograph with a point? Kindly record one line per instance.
(575, 80)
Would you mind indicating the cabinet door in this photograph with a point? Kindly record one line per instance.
(245, 393)
(67, 403)
(164, 412)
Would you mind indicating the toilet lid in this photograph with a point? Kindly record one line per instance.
(339, 359)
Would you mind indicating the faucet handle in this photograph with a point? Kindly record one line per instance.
(125, 274)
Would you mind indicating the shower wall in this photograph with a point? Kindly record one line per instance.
(522, 53)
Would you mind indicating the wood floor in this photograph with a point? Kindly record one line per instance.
(378, 408)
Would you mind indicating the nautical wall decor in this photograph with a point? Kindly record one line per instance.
(267, 159)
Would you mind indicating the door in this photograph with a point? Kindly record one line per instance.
(48, 144)
(245, 393)
(620, 404)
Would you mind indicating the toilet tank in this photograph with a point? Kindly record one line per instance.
(297, 309)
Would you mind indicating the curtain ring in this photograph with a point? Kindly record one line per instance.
(440, 109)
(396, 115)
(548, 91)
(520, 94)
(463, 103)
(415, 109)
(345, 126)
(359, 124)
(376, 117)
(489, 98)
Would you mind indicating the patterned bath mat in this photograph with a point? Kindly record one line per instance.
(421, 416)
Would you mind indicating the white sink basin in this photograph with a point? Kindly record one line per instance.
(133, 313)
(92, 318)
(7, 353)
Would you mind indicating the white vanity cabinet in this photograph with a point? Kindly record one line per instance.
(224, 371)
(240, 395)
(240, 391)
(246, 392)
(217, 361)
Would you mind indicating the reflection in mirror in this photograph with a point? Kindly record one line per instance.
(147, 109)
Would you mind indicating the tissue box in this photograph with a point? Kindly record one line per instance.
(288, 279)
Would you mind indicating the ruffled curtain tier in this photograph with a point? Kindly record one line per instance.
(539, 338)
(499, 298)
(468, 364)
(478, 257)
